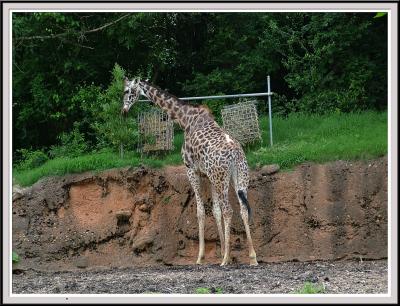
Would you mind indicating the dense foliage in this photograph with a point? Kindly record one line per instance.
(67, 85)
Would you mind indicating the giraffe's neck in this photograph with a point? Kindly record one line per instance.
(185, 115)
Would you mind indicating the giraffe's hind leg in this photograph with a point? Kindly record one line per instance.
(218, 218)
(244, 212)
(194, 179)
(220, 185)
(227, 212)
(241, 182)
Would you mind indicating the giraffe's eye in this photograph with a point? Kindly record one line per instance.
(126, 91)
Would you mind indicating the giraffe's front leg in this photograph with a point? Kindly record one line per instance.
(227, 213)
(195, 182)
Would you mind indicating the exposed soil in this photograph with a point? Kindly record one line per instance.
(351, 277)
(145, 217)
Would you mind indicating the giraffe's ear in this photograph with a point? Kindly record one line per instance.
(126, 80)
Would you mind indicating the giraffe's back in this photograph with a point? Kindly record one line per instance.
(213, 151)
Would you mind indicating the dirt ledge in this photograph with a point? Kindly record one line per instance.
(145, 217)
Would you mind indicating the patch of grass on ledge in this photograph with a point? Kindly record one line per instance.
(297, 139)
(61, 166)
(90, 162)
(300, 138)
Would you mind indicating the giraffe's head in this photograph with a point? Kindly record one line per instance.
(132, 91)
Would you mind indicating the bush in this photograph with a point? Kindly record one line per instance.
(31, 159)
(111, 129)
(87, 99)
(72, 144)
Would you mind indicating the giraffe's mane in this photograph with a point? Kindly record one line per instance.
(206, 108)
(166, 93)
(162, 91)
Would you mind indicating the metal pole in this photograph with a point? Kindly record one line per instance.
(259, 94)
(269, 111)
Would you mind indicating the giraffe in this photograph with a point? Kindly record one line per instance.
(209, 150)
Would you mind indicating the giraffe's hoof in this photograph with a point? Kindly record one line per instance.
(200, 261)
(225, 262)
(253, 262)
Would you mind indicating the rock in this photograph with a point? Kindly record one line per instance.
(177, 179)
(181, 245)
(269, 169)
(18, 192)
(276, 285)
(143, 241)
(82, 262)
(144, 207)
(308, 276)
(314, 279)
(123, 214)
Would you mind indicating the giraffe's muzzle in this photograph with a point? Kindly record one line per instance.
(125, 110)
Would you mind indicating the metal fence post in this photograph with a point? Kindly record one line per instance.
(269, 111)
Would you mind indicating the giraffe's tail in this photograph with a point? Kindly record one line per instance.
(241, 180)
(245, 202)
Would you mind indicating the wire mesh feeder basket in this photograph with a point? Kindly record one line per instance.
(156, 131)
(241, 121)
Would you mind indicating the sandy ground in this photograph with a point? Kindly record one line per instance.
(335, 276)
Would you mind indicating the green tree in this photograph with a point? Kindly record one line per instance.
(112, 129)
(330, 61)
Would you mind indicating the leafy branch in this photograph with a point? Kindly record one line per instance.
(79, 34)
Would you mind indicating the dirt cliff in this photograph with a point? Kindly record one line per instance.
(141, 216)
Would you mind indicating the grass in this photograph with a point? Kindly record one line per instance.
(297, 139)
(90, 162)
(167, 199)
(15, 257)
(203, 290)
(310, 288)
(301, 138)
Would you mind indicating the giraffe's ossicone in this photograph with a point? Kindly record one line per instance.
(207, 149)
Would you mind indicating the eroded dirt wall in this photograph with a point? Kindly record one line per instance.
(132, 217)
